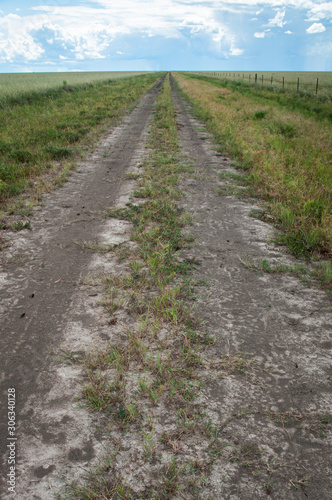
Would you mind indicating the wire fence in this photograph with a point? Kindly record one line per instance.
(304, 82)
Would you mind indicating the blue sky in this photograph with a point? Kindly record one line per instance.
(120, 35)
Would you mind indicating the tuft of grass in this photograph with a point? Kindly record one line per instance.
(259, 115)
(314, 272)
(15, 226)
(318, 424)
(57, 152)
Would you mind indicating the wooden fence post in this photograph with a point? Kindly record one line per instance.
(262, 80)
(298, 84)
(317, 86)
(283, 82)
(255, 78)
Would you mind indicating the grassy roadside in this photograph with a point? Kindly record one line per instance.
(288, 156)
(46, 134)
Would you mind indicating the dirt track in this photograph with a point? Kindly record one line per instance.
(282, 325)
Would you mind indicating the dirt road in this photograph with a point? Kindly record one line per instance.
(271, 412)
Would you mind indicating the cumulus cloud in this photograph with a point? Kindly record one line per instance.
(16, 40)
(88, 31)
(95, 29)
(288, 32)
(320, 11)
(316, 28)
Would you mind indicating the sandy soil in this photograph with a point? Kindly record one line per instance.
(271, 419)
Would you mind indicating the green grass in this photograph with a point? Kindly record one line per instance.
(47, 130)
(285, 145)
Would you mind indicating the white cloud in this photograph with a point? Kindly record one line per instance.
(88, 32)
(320, 11)
(288, 32)
(316, 28)
(236, 52)
(262, 33)
(16, 40)
(278, 19)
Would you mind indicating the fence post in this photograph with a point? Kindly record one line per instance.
(317, 86)
(255, 78)
(298, 84)
(283, 82)
(262, 80)
(271, 80)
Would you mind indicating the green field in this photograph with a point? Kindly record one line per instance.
(13, 84)
(280, 79)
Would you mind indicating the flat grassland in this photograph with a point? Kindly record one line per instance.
(283, 141)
